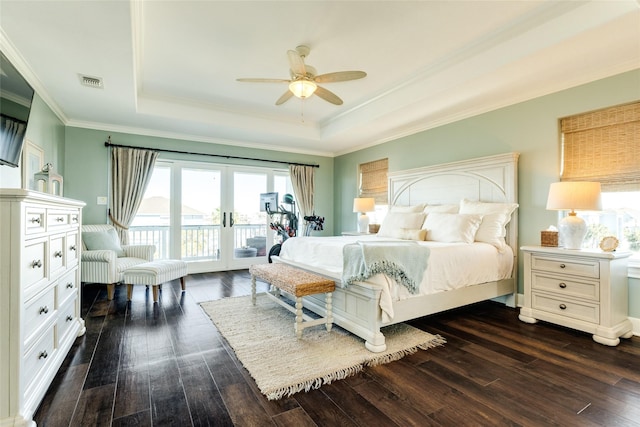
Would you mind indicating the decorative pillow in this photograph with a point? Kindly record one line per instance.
(450, 227)
(441, 208)
(394, 221)
(408, 234)
(495, 217)
(407, 209)
(103, 240)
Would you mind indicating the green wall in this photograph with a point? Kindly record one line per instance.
(529, 128)
(87, 163)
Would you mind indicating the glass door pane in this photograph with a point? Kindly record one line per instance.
(200, 214)
(249, 225)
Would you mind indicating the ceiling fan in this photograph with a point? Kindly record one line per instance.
(304, 81)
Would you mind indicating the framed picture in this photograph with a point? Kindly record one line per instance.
(32, 163)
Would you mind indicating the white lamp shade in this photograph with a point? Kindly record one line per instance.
(302, 88)
(571, 196)
(364, 204)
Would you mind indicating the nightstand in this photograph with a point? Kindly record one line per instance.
(580, 289)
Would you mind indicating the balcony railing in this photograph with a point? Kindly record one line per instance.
(197, 241)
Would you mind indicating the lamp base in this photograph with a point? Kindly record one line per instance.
(572, 230)
(363, 223)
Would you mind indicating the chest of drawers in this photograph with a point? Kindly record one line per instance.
(580, 289)
(39, 296)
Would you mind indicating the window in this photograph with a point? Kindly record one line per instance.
(604, 146)
(372, 182)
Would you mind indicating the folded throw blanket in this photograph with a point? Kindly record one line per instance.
(405, 262)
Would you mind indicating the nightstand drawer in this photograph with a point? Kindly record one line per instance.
(569, 308)
(576, 266)
(564, 286)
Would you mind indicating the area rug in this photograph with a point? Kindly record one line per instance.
(264, 341)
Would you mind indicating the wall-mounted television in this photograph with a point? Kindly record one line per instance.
(16, 96)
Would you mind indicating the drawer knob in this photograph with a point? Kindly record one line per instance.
(74, 218)
(72, 247)
(69, 285)
(60, 219)
(43, 354)
(69, 318)
(57, 254)
(562, 266)
(562, 285)
(562, 307)
(36, 264)
(35, 220)
(44, 310)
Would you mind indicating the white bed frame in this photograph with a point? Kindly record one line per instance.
(488, 179)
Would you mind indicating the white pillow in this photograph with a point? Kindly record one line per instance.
(394, 221)
(450, 227)
(408, 234)
(441, 208)
(495, 217)
(407, 209)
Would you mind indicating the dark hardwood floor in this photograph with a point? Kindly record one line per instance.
(165, 364)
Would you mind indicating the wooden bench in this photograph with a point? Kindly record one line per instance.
(297, 283)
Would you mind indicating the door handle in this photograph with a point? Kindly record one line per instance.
(230, 219)
(224, 219)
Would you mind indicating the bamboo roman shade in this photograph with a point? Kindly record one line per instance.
(373, 180)
(603, 146)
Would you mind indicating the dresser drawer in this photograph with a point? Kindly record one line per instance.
(566, 307)
(66, 316)
(37, 312)
(37, 357)
(72, 245)
(34, 220)
(67, 286)
(34, 263)
(562, 285)
(56, 255)
(576, 266)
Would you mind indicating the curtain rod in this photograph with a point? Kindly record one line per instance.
(108, 143)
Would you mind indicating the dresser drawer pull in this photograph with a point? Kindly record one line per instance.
(74, 218)
(562, 307)
(69, 285)
(562, 285)
(36, 264)
(562, 266)
(72, 247)
(57, 254)
(43, 354)
(69, 318)
(60, 219)
(35, 220)
(44, 310)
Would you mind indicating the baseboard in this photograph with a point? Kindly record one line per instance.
(635, 322)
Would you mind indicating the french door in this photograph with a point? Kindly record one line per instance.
(208, 215)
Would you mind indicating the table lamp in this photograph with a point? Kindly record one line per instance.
(572, 196)
(363, 205)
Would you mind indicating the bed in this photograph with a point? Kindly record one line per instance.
(465, 192)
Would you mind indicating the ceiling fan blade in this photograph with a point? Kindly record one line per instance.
(284, 98)
(264, 80)
(340, 76)
(296, 63)
(328, 96)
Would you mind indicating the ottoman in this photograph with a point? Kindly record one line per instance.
(154, 274)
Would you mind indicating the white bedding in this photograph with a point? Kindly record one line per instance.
(450, 265)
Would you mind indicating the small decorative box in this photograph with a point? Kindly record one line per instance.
(373, 228)
(549, 238)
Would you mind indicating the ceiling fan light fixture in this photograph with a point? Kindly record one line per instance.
(302, 88)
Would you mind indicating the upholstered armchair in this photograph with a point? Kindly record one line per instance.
(104, 259)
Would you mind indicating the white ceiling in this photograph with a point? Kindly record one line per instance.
(170, 67)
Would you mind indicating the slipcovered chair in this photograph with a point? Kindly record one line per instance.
(104, 259)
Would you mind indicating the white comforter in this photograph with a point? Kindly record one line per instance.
(450, 265)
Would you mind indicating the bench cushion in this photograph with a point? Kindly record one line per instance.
(293, 280)
(155, 272)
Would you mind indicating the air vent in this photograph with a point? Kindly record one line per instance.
(95, 82)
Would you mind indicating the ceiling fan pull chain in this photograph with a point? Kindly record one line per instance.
(302, 110)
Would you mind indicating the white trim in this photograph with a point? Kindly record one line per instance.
(635, 322)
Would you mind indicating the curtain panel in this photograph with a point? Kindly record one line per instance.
(131, 171)
(303, 180)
